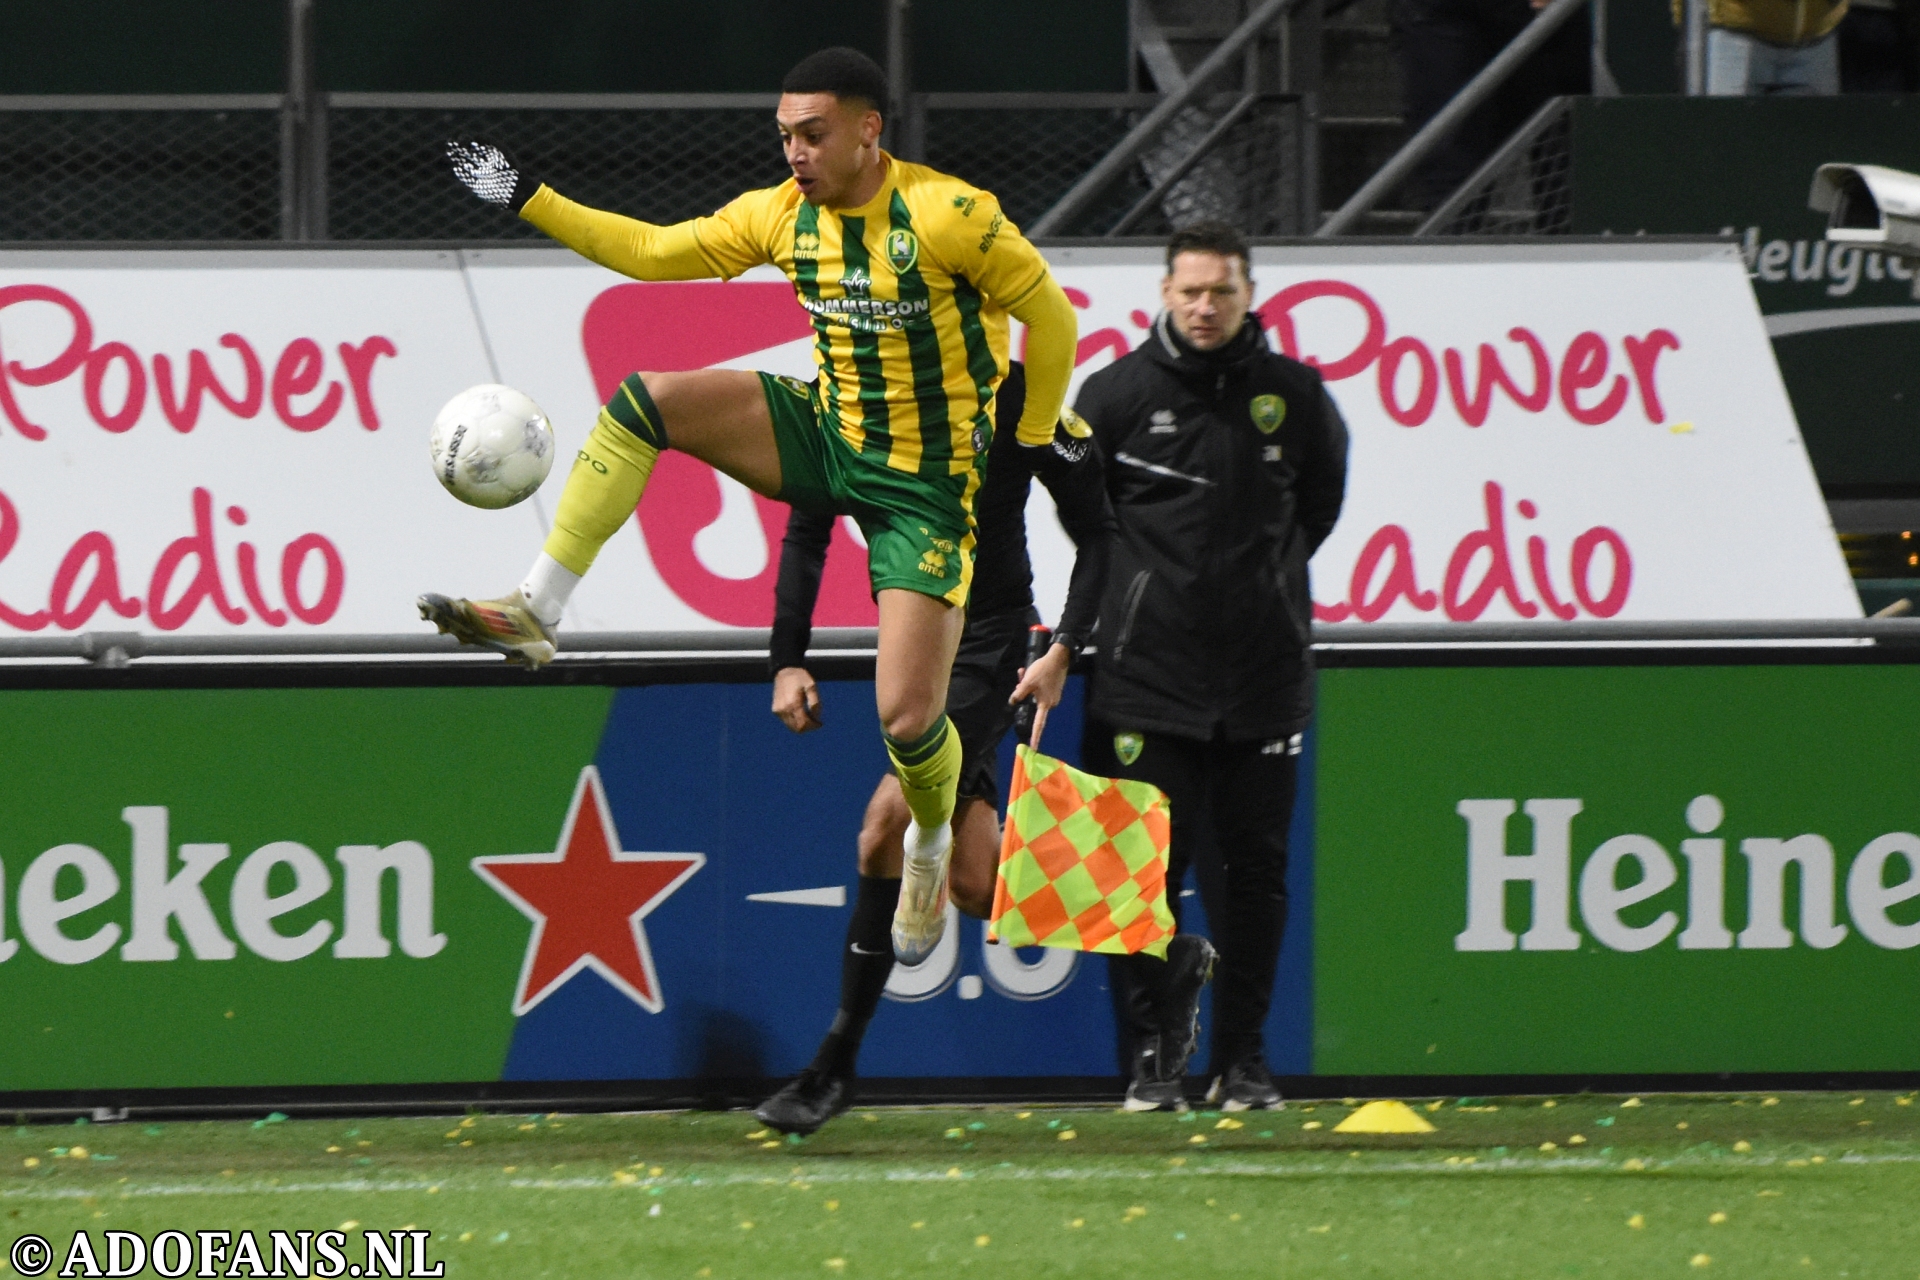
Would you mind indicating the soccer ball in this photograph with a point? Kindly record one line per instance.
(492, 447)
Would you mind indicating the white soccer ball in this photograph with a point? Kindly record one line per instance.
(492, 447)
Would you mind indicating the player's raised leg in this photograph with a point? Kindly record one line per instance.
(719, 416)
(919, 634)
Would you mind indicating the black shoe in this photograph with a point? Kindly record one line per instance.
(808, 1101)
(1190, 961)
(1152, 1087)
(1245, 1086)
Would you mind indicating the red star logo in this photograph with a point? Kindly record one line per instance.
(586, 902)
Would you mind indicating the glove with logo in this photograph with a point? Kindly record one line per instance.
(1071, 435)
(490, 173)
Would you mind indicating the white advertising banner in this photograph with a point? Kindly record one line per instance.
(221, 442)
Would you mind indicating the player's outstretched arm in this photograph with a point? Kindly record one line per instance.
(627, 245)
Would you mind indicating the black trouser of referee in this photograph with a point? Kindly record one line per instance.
(1244, 791)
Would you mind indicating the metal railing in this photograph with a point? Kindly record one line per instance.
(1524, 188)
(116, 649)
(1450, 117)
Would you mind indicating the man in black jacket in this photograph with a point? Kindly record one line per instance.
(1226, 465)
(987, 680)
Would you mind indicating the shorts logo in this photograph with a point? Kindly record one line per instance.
(1268, 413)
(794, 385)
(903, 250)
(943, 544)
(934, 563)
(1128, 746)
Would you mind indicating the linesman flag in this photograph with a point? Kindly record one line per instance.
(1083, 862)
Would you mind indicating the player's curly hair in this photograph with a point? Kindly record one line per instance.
(847, 74)
(1210, 237)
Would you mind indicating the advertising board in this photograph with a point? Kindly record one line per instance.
(1579, 870)
(235, 442)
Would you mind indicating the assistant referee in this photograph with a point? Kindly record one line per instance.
(1226, 467)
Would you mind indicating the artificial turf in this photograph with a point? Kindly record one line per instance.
(1788, 1185)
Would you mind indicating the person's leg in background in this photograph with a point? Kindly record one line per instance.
(1253, 791)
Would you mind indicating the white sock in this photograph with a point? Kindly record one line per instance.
(548, 587)
(923, 844)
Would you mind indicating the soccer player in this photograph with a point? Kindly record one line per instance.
(987, 682)
(1230, 465)
(910, 277)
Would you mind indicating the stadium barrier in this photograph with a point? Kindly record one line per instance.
(229, 883)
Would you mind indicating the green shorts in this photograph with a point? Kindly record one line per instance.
(919, 529)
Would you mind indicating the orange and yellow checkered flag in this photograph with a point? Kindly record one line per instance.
(1083, 862)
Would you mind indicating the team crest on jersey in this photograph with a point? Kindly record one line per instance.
(903, 250)
(1128, 746)
(1268, 413)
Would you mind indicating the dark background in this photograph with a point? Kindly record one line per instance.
(551, 46)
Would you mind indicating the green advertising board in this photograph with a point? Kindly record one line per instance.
(1617, 870)
(238, 887)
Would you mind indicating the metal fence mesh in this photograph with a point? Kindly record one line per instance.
(1029, 157)
(1525, 190)
(139, 175)
(387, 175)
(1249, 179)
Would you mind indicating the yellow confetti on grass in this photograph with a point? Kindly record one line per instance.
(1856, 1102)
(655, 1172)
(746, 1226)
(1436, 1104)
(1577, 1140)
(1233, 1217)
(1700, 1260)
(954, 1172)
(1320, 1231)
(1550, 1103)
(1633, 1165)
(1549, 1146)
(1638, 1221)
(1311, 1124)
(467, 1123)
(1078, 1222)
(1177, 1161)
(1716, 1218)
(528, 1128)
(756, 1135)
(350, 1224)
(1134, 1211)
(1198, 1139)
(836, 1263)
(32, 1162)
(1681, 1125)
(916, 1226)
(1769, 1102)
(452, 1133)
(981, 1242)
(771, 1144)
(1068, 1135)
(1024, 1115)
(832, 1205)
(1631, 1102)
(1769, 1192)
(1743, 1146)
(1227, 1122)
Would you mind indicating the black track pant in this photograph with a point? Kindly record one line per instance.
(1244, 792)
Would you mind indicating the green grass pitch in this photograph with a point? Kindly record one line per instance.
(1747, 1185)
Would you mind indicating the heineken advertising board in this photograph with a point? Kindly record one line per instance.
(1631, 869)
(217, 888)
(1576, 870)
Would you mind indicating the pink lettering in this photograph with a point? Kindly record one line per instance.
(1400, 582)
(1499, 573)
(61, 366)
(1583, 367)
(1277, 315)
(359, 362)
(1389, 377)
(296, 374)
(102, 589)
(333, 584)
(135, 399)
(1642, 354)
(1473, 409)
(1583, 548)
(185, 413)
(10, 534)
(205, 583)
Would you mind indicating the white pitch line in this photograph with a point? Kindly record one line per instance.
(1338, 1168)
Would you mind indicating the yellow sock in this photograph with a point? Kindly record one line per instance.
(929, 772)
(602, 490)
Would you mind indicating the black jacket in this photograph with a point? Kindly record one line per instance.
(1002, 571)
(1226, 470)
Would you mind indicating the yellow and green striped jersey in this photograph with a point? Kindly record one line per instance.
(909, 295)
